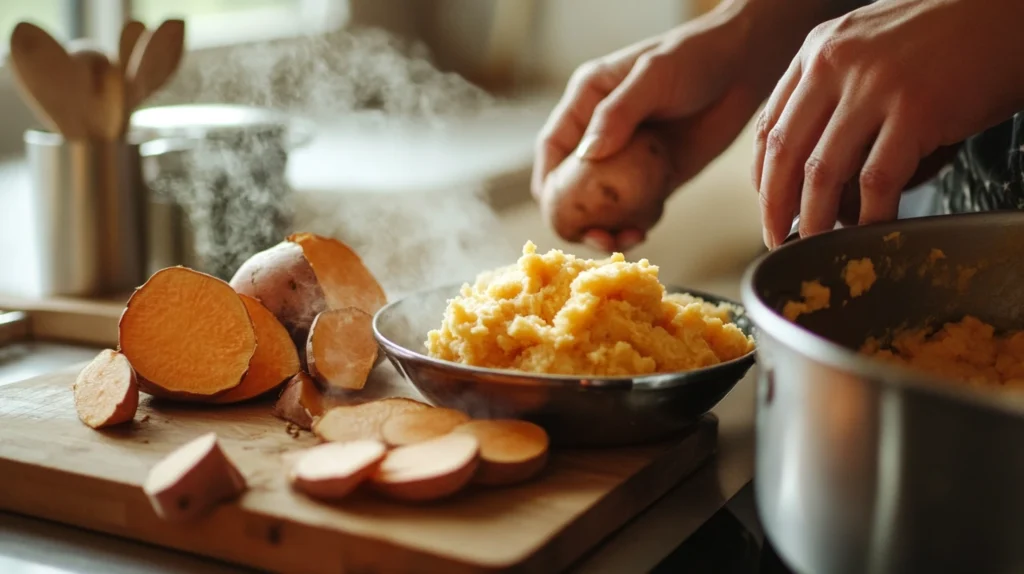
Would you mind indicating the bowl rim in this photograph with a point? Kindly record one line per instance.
(812, 346)
(654, 381)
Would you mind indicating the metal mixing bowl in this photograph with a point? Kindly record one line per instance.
(866, 467)
(575, 411)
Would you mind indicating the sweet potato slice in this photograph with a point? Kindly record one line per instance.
(362, 421)
(274, 362)
(283, 281)
(300, 402)
(333, 470)
(428, 470)
(420, 425)
(342, 351)
(192, 480)
(345, 280)
(106, 391)
(187, 334)
(511, 451)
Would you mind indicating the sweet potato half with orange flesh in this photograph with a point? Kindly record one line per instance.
(428, 470)
(362, 421)
(275, 359)
(300, 402)
(192, 479)
(106, 391)
(420, 425)
(342, 350)
(333, 470)
(304, 275)
(511, 451)
(187, 334)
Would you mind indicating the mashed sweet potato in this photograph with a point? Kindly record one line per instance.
(559, 314)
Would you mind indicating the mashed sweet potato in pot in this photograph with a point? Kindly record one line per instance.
(559, 314)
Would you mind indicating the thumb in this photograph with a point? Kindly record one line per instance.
(618, 115)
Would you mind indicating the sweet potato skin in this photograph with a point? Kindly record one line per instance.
(300, 402)
(212, 478)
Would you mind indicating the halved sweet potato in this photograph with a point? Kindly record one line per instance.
(345, 280)
(511, 451)
(275, 360)
(187, 334)
(362, 421)
(192, 479)
(333, 470)
(300, 402)
(342, 350)
(420, 425)
(106, 391)
(428, 470)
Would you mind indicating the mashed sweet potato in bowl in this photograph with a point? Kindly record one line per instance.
(599, 351)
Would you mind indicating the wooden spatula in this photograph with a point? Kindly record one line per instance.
(47, 77)
(154, 60)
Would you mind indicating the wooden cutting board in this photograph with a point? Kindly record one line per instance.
(54, 467)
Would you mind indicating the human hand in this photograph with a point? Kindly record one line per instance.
(871, 94)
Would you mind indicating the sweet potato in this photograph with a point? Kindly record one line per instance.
(300, 402)
(106, 391)
(511, 451)
(333, 470)
(428, 470)
(342, 350)
(362, 421)
(626, 190)
(305, 275)
(420, 425)
(187, 334)
(275, 360)
(192, 479)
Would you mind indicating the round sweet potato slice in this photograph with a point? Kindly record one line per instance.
(420, 425)
(511, 451)
(428, 470)
(362, 421)
(342, 351)
(333, 470)
(187, 334)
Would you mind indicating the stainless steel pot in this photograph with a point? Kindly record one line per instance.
(865, 467)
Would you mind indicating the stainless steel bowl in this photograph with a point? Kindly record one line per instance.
(865, 467)
(574, 411)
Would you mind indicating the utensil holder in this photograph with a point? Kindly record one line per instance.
(90, 205)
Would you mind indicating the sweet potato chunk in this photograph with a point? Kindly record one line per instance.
(192, 480)
(300, 402)
(342, 350)
(345, 280)
(333, 470)
(187, 334)
(511, 451)
(362, 421)
(428, 470)
(106, 392)
(283, 281)
(275, 359)
(420, 425)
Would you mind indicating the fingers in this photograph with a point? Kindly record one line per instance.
(834, 161)
(606, 242)
(770, 116)
(890, 165)
(788, 145)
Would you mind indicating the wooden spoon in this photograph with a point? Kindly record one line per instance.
(92, 67)
(130, 34)
(154, 60)
(47, 77)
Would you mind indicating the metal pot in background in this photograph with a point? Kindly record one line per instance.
(866, 467)
(228, 186)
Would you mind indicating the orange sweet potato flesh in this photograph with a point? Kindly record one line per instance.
(362, 421)
(428, 470)
(106, 391)
(511, 451)
(187, 334)
(300, 402)
(275, 360)
(420, 425)
(342, 350)
(345, 280)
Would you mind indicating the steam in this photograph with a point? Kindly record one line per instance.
(238, 203)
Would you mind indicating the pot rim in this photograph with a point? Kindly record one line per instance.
(800, 340)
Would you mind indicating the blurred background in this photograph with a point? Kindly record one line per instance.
(423, 116)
